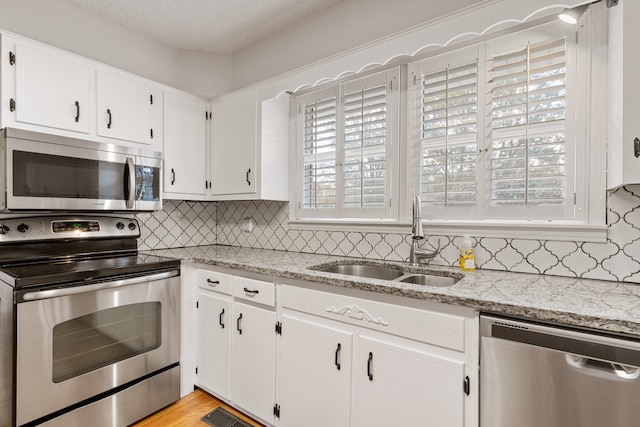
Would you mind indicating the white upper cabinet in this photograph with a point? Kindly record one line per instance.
(124, 108)
(233, 144)
(249, 147)
(44, 87)
(185, 139)
(624, 86)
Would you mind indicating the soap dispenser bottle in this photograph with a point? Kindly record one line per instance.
(467, 259)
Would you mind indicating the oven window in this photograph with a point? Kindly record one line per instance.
(47, 175)
(105, 337)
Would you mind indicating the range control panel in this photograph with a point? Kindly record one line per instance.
(56, 228)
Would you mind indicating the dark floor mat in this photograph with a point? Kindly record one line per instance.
(220, 417)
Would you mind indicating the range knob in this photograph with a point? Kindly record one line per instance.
(132, 226)
(120, 225)
(4, 229)
(23, 228)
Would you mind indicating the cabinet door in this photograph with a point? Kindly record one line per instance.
(123, 108)
(52, 89)
(184, 144)
(254, 360)
(214, 333)
(406, 385)
(314, 374)
(233, 144)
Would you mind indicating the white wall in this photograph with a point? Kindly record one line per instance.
(343, 26)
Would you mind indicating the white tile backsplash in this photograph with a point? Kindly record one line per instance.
(183, 223)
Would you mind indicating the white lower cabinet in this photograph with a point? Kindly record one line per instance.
(314, 373)
(405, 384)
(253, 362)
(293, 356)
(236, 355)
(214, 344)
(398, 365)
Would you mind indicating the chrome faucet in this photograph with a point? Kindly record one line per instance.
(415, 255)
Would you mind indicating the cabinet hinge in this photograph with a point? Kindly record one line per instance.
(12, 58)
(466, 385)
(151, 133)
(278, 328)
(12, 104)
(151, 99)
(276, 410)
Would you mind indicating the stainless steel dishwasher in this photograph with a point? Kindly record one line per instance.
(534, 375)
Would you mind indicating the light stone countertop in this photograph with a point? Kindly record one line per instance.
(604, 305)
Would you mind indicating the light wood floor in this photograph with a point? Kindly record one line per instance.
(187, 412)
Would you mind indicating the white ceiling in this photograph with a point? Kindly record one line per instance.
(220, 26)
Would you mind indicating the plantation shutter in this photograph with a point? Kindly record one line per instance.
(449, 135)
(347, 148)
(319, 154)
(365, 143)
(527, 118)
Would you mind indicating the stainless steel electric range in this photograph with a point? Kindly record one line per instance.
(89, 327)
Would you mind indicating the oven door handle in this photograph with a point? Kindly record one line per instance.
(81, 289)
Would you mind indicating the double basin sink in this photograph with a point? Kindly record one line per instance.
(392, 273)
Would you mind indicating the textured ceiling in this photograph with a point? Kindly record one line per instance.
(221, 26)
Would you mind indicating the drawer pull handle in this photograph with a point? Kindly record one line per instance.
(370, 367)
(337, 361)
(251, 291)
(220, 319)
(238, 324)
(213, 282)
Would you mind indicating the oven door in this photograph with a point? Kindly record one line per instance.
(75, 343)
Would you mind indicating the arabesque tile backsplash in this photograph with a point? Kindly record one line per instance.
(184, 223)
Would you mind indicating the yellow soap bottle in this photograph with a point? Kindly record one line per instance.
(467, 258)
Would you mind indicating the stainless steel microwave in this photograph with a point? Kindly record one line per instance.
(54, 173)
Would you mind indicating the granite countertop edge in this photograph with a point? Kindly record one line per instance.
(596, 304)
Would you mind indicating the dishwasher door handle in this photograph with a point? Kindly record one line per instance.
(600, 367)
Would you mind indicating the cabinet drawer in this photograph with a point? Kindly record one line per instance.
(254, 290)
(432, 327)
(214, 281)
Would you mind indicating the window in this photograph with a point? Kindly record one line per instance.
(348, 150)
(497, 128)
(496, 136)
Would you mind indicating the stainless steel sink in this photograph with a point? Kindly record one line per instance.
(362, 270)
(409, 275)
(429, 280)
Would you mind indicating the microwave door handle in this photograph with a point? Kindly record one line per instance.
(129, 182)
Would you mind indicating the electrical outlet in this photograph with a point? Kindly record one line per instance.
(247, 224)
